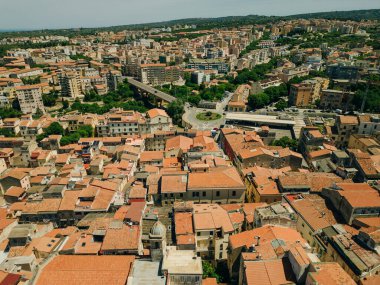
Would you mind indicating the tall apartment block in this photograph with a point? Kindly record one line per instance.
(30, 98)
(70, 84)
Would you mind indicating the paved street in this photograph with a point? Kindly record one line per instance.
(191, 113)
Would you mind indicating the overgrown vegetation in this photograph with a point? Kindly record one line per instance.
(9, 113)
(255, 74)
(286, 142)
(121, 98)
(67, 137)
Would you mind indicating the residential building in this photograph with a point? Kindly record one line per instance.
(70, 84)
(30, 98)
(336, 99)
(208, 64)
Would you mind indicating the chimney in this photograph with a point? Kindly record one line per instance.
(257, 240)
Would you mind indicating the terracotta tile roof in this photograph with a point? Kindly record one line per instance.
(314, 211)
(43, 244)
(186, 240)
(319, 153)
(171, 162)
(124, 238)
(148, 156)
(370, 280)
(220, 178)
(14, 173)
(315, 133)
(46, 205)
(274, 240)
(359, 195)
(236, 217)
(330, 273)
(15, 191)
(121, 212)
(269, 272)
(102, 200)
(135, 212)
(183, 222)
(5, 223)
(69, 200)
(181, 142)
(211, 216)
(152, 113)
(86, 245)
(108, 185)
(83, 270)
(209, 281)
(173, 183)
(137, 192)
(315, 180)
(62, 231)
(369, 221)
(348, 120)
(249, 210)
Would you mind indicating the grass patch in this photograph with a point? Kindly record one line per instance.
(208, 116)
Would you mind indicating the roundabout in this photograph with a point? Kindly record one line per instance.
(208, 116)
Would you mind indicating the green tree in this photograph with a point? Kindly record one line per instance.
(258, 101)
(16, 104)
(50, 99)
(65, 104)
(9, 113)
(91, 96)
(7, 133)
(175, 111)
(286, 142)
(209, 270)
(281, 105)
(38, 114)
(55, 128)
(31, 80)
(83, 132)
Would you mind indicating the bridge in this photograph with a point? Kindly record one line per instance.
(145, 88)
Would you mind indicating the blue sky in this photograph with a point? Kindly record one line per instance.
(36, 14)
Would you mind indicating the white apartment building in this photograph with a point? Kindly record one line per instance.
(129, 123)
(30, 98)
(70, 84)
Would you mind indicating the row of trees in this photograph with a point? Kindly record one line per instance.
(67, 137)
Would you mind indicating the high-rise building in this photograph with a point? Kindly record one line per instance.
(70, 84)
(30, 98)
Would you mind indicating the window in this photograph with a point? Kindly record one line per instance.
(181, 195)
(211, 233)
(217, 193)
(233, 193)
(198, 234)
(204, 193)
